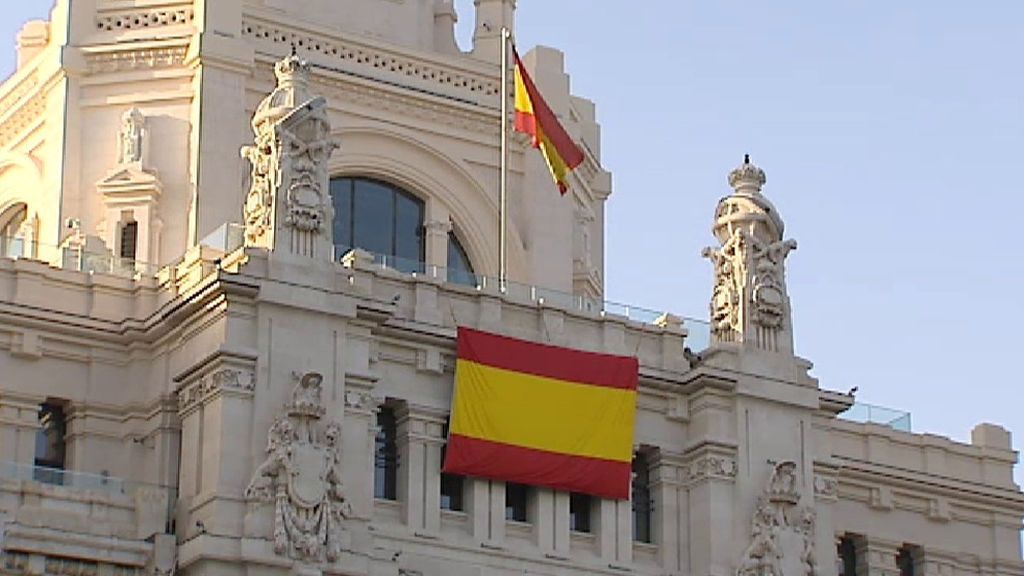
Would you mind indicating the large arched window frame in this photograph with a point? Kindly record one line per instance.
(381, 218)
(389, 221)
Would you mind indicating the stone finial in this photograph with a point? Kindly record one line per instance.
(749, 303)
(288, 207)
(747, 178)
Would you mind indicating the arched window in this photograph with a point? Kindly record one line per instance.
(379, 218)
(460, 269)
(11, 244)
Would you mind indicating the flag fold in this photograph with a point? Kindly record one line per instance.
(533, 116)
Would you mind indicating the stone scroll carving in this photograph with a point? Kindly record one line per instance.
(288, 207)
(301, 477)
(782, 531)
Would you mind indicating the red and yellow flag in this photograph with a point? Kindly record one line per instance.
(534, 117)
(542, 415)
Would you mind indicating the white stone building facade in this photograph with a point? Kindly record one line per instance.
(198, 376)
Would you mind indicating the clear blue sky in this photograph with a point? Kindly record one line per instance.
(892, 134)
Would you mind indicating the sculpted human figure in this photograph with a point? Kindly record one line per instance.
(130, 138)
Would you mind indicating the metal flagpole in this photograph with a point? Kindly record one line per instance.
(506, 34)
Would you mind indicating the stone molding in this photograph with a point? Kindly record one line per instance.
(206, 387)
(826, 488)
(141, 58)
(23, 116)
(123, 20)
(373, 61)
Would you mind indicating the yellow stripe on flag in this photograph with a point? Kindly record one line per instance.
(543, 413)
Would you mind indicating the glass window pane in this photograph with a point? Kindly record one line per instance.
(408, 232)
(374, 222)
(460, 269)
(341, 196)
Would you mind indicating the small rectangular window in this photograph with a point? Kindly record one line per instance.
(847, 556)
(517, 498)
(907, 560)
(385, 477)
(643, 504)
(580, 506)
(452, 485)
(51, 444)
(129, 239)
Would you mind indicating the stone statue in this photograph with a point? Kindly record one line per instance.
(749, 303)
(301, 476)
(133, 126)
(782, 532)
(288, 206)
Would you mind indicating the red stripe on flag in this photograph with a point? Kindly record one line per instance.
(547, 361)
(496, 461)
(548, 121)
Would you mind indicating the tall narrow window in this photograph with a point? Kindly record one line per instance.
(847, 556)
(580, 506)
(129, 239)
(51, 444)
(385, 474)
(379, 218)
(905, 560)
(643, 505)
(460, 269)
(452, 485)
(517, 498)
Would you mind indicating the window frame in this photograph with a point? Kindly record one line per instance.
(641, 498)
(517, 502)
(385, 455)
(452, 486)
(581, 513)
(397, 193)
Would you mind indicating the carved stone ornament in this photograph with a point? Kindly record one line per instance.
(782, 531)
(130, 138)
(301, 477)
(206, 386)
(288, 204)
(749, 301)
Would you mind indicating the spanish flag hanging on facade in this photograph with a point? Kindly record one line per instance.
(534, 117)
(542, 415)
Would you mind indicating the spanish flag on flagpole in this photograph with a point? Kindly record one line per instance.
(534, 117)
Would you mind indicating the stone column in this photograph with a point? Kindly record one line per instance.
(19, 421)
(711, 475)
(359, 442)
(437, 230)
(877, 558)
(215, 406)
(419, 479)
(667, 476)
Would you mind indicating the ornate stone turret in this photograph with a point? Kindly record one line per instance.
(288, 207)
(491, 16)
(749, 304)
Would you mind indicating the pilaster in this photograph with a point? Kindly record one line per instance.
(877, 558)
(419, 484)
(19, 421)
(215, 404)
